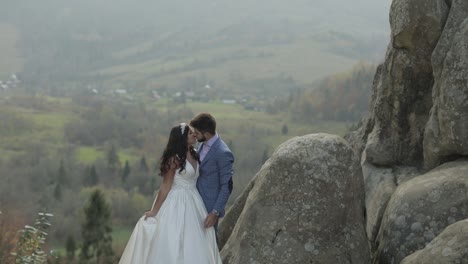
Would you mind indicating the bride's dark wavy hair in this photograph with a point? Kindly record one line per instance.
(176, 149)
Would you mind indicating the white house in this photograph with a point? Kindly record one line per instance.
(228, 101)
(156, 95)
(121, 91)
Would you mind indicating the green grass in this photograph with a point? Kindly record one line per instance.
(50, 127)
(120, 236)
(128, 154)
(88, 155)
(46, 128)
(6, 154)
(52, 120)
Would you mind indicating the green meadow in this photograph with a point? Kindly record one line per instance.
(48, 127)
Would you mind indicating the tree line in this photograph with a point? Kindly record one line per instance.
(341, 97)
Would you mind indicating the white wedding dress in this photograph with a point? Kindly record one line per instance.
(176, 235)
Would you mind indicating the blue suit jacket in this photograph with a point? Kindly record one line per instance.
(215, 180)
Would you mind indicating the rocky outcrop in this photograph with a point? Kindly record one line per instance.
(418, 121)
(306, 206)
(421, 208)
(402, 90)
(451, 246)
(446, 134)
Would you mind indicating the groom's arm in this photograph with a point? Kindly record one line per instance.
(225, 165)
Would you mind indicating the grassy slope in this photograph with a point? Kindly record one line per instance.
(302, 59)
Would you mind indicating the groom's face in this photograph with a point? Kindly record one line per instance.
(199, 135)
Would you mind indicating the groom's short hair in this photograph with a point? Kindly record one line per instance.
(204, 122)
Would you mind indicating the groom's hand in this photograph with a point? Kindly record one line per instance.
(211, 220)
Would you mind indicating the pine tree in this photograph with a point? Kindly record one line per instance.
(113, 160)
(96, 231)
(71, 248)
(91, 177)
(143, 165)
(126, 171)
(284, 130)
(86, 176)
(58, 191)
(62, 174)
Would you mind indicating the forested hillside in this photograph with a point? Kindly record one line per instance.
(90, 89)
(341, 97)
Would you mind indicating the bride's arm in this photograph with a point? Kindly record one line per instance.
(164, 189)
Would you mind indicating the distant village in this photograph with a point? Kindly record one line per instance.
(11, 82)
(205, 93)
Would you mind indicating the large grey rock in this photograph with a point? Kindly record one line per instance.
(232, 215)
(380, 183)
(306, 206)
(446, 134)
(420, 209)
(451, 246)
(402, 89)
(457, 14)
(418, 117)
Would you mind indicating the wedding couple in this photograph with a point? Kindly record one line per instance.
(179, 229)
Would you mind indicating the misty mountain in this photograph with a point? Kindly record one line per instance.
(161, 41)
(352, 16)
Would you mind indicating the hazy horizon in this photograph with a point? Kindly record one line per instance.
(51, 28)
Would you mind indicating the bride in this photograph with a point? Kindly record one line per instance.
(173, 232)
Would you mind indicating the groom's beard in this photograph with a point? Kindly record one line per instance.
(203, 139)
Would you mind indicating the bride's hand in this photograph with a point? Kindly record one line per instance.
(150, 214)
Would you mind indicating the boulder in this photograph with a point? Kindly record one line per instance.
(228, 222)
(422, 208)
(451, 246)
(306, 206)
(380, 183)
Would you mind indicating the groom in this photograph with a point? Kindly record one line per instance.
(215, 181)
